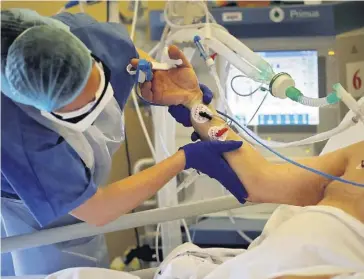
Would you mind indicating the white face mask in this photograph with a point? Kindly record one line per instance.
(90, 110)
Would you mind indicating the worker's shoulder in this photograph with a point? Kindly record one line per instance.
(74, 21)
(100, 37)
(17, 128)
(82, 22)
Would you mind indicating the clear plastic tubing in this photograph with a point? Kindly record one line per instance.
(312, 102)
(295, 95)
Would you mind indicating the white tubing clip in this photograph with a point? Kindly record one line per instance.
(145, 68)
(172, 63)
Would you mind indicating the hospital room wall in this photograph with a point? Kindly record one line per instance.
(117, 242)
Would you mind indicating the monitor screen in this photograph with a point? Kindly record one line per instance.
(302, 65)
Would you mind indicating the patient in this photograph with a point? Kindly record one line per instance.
(322, 232)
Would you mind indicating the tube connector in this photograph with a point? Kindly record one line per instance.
(332, 98)
(208, 60)
(197, 41)
(293, 93)
(279, 85)
(349, 101)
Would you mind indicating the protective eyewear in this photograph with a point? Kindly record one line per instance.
(82, 118)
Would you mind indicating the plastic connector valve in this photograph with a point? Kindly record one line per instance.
(144, 71)
(208, 60)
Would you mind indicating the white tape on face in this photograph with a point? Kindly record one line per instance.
(196, 110)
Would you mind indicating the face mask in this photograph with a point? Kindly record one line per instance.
(81, 119)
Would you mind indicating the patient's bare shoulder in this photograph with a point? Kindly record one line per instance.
(345, 196)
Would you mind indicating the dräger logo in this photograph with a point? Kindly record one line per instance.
(304, 14)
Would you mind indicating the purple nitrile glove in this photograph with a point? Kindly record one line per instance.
(206, 157)
(182, 114)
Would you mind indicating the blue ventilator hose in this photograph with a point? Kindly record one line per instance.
(329, 176)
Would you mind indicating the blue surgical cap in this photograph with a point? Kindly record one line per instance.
(46, 65)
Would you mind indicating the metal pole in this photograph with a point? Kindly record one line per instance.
(128, 221)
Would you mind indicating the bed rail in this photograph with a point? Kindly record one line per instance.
(127, 221)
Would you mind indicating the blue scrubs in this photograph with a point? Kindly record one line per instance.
(42, 176)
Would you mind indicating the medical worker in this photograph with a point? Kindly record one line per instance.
(64, 86)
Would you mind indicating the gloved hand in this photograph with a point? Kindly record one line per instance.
(182, 114)
(206, 157)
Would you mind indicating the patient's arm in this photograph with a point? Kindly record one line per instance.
(264, 181)
(277, 183)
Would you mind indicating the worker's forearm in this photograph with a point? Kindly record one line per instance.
(122, 196)
(248, 164)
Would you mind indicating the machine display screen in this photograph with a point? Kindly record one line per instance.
(302, 66)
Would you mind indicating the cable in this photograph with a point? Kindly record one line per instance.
(61, 10)
(157, 243)
(241, 233)
(128, 160)
(154, 49)
(191, 178)
(258, 108)
(135, 19)
(187, 230)
(326, 175)
(243, 95)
